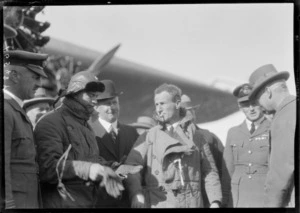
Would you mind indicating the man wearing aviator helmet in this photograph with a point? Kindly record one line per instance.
(68, 155)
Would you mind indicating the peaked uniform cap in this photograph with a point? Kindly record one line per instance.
(264, 75)
(84, 80)
(32, 61)
(242, 92)
(9, 32)
(144, 122)
(186, 102)
(109, 91)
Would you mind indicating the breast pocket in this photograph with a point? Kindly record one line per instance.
(22, 146)
(236, 147)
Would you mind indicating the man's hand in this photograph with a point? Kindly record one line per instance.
(138, 201)
(110, 180)
(215, 204)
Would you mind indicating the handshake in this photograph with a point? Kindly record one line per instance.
(112, 180)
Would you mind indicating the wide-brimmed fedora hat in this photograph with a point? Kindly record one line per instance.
(242, 92)
(40, 97)
(144, 122)
(109, 91)
(186, 102)
(264, 75)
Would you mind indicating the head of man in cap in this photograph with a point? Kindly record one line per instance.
(84, 88)
(38, 106)
(23, 72)
(187, 104)
(143, 124)
(252, 110)
(269, 86)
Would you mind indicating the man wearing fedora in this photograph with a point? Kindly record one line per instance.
(68, 155)
(114, 139)
(246, 155)
(215, 144)
(143, 124)
(22, 77)
(271, 92)
(36, 107)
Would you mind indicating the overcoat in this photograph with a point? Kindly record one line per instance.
(55, 131)
(245, 165)
(216, 148)
(127, 135)
(173, 168)
(280, 188)
(20, 167)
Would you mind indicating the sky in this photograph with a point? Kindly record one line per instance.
(202, 42)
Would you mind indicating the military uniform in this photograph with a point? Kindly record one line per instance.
(173, 168)
(245, 165)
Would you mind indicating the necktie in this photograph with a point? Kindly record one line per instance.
(113, 134)
(252, 128)
(171, 130)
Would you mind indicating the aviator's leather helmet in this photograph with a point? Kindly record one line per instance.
(84, 80)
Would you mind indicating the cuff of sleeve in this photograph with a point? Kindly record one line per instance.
(82, 169)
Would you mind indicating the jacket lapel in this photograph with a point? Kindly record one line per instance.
(262, 127)
(244, 128)
(122, 136)
(102, 136)
(17, 107)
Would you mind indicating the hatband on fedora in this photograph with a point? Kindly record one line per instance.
(186, 102)
(109, 91)
(242, 92)
(144, 122)
(264, 75)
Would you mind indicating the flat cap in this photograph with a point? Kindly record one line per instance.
(30, 60)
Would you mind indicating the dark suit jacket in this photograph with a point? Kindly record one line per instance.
(126, 137)
(20, 168)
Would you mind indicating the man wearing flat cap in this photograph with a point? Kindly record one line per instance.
(114, 139)
(22, 77)
(68, 156)
(270, 90)
(246, 154)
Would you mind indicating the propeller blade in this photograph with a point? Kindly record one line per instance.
(98, 65)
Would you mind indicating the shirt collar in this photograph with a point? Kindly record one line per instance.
(18, 100)
(107, 125)
(256, 123)
(174, 125)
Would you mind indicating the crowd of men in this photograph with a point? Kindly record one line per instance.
(79, 155)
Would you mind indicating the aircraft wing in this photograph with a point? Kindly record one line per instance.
(138, 83)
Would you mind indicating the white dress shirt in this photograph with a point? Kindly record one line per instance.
(109, 126)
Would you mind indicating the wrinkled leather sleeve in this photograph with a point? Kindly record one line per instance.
(49, 137)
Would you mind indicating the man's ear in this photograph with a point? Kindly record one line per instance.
(14, 76)
(269, 92)
(178, 103)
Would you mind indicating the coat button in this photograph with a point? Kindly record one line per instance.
(156, 172)
(249, 151)
(162, 188)
(250, 164)
(249, 176)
